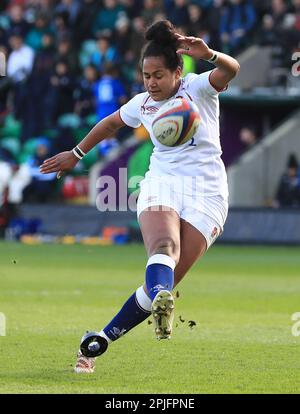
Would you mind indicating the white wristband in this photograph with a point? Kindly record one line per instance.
(213, 58)
(78, 153)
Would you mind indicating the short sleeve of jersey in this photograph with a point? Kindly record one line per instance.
(202, 84)
(130, 112)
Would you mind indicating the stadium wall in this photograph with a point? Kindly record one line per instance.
(249, 226)
(255, 62)
(254, 178)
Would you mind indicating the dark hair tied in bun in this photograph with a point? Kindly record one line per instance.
(162, 41)
(161, 32)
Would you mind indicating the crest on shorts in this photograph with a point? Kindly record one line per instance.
(214, 233)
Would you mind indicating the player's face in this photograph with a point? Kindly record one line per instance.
(159, 81)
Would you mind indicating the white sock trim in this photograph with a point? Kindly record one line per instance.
(103, 334)
(162, 259)
(143, 299)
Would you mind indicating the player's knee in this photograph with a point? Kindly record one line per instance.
(167, 246)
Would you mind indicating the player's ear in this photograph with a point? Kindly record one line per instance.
(178, 72)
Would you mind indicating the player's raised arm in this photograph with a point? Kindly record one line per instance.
(226, 66)
(65, 161)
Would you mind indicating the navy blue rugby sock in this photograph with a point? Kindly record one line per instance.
(134, 311)
(159, 274)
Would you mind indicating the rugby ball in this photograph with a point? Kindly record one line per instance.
(176, 122)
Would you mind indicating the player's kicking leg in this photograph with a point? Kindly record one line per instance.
(139, 306)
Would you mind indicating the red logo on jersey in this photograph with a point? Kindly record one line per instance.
(151, 109)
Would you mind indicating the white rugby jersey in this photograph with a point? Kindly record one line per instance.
(200, 157)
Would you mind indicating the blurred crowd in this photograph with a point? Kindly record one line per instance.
(81, 56)
(70, 63)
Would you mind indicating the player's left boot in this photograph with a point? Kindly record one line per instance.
(84, 364)
(163, 314)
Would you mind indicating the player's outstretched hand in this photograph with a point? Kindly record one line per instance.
(60, 163)
(194, 47)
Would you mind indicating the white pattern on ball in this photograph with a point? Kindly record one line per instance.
(170, 122)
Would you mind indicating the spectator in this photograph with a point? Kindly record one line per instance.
(5, 215)
(262, 7)
(288, 193)
(212, 18)
(110, 92)
(122, 35)
(61, 26)
(65, 139)
(107, 16)
(237, 22)
(278, 10)
(138, 84)
(204, 4)
(88, 12)
(17, 22)
(20, 61)
(290, 38)
(19, 67)
(150, 10)
(195, 18)
(13, 180)
(36, 8)
(5, 88)
(178, 14)
(248, 137)
(128, 68)
(84, 93)
(133, 8)
(66, 53)
(137, 40)
(45, 57)
(41, 187)
(106, 53)
(36, 116)
(3, 38)
(6, 160)
(110, 95)
(295, 9)
(61, 94)
(71, 8)
(267, 35)
(35, 35)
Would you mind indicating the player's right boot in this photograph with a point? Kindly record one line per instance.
(92, 345)
(163, 314)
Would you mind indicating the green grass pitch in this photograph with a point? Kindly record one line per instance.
(241, 298)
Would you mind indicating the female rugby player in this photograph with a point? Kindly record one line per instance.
(182, 205)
